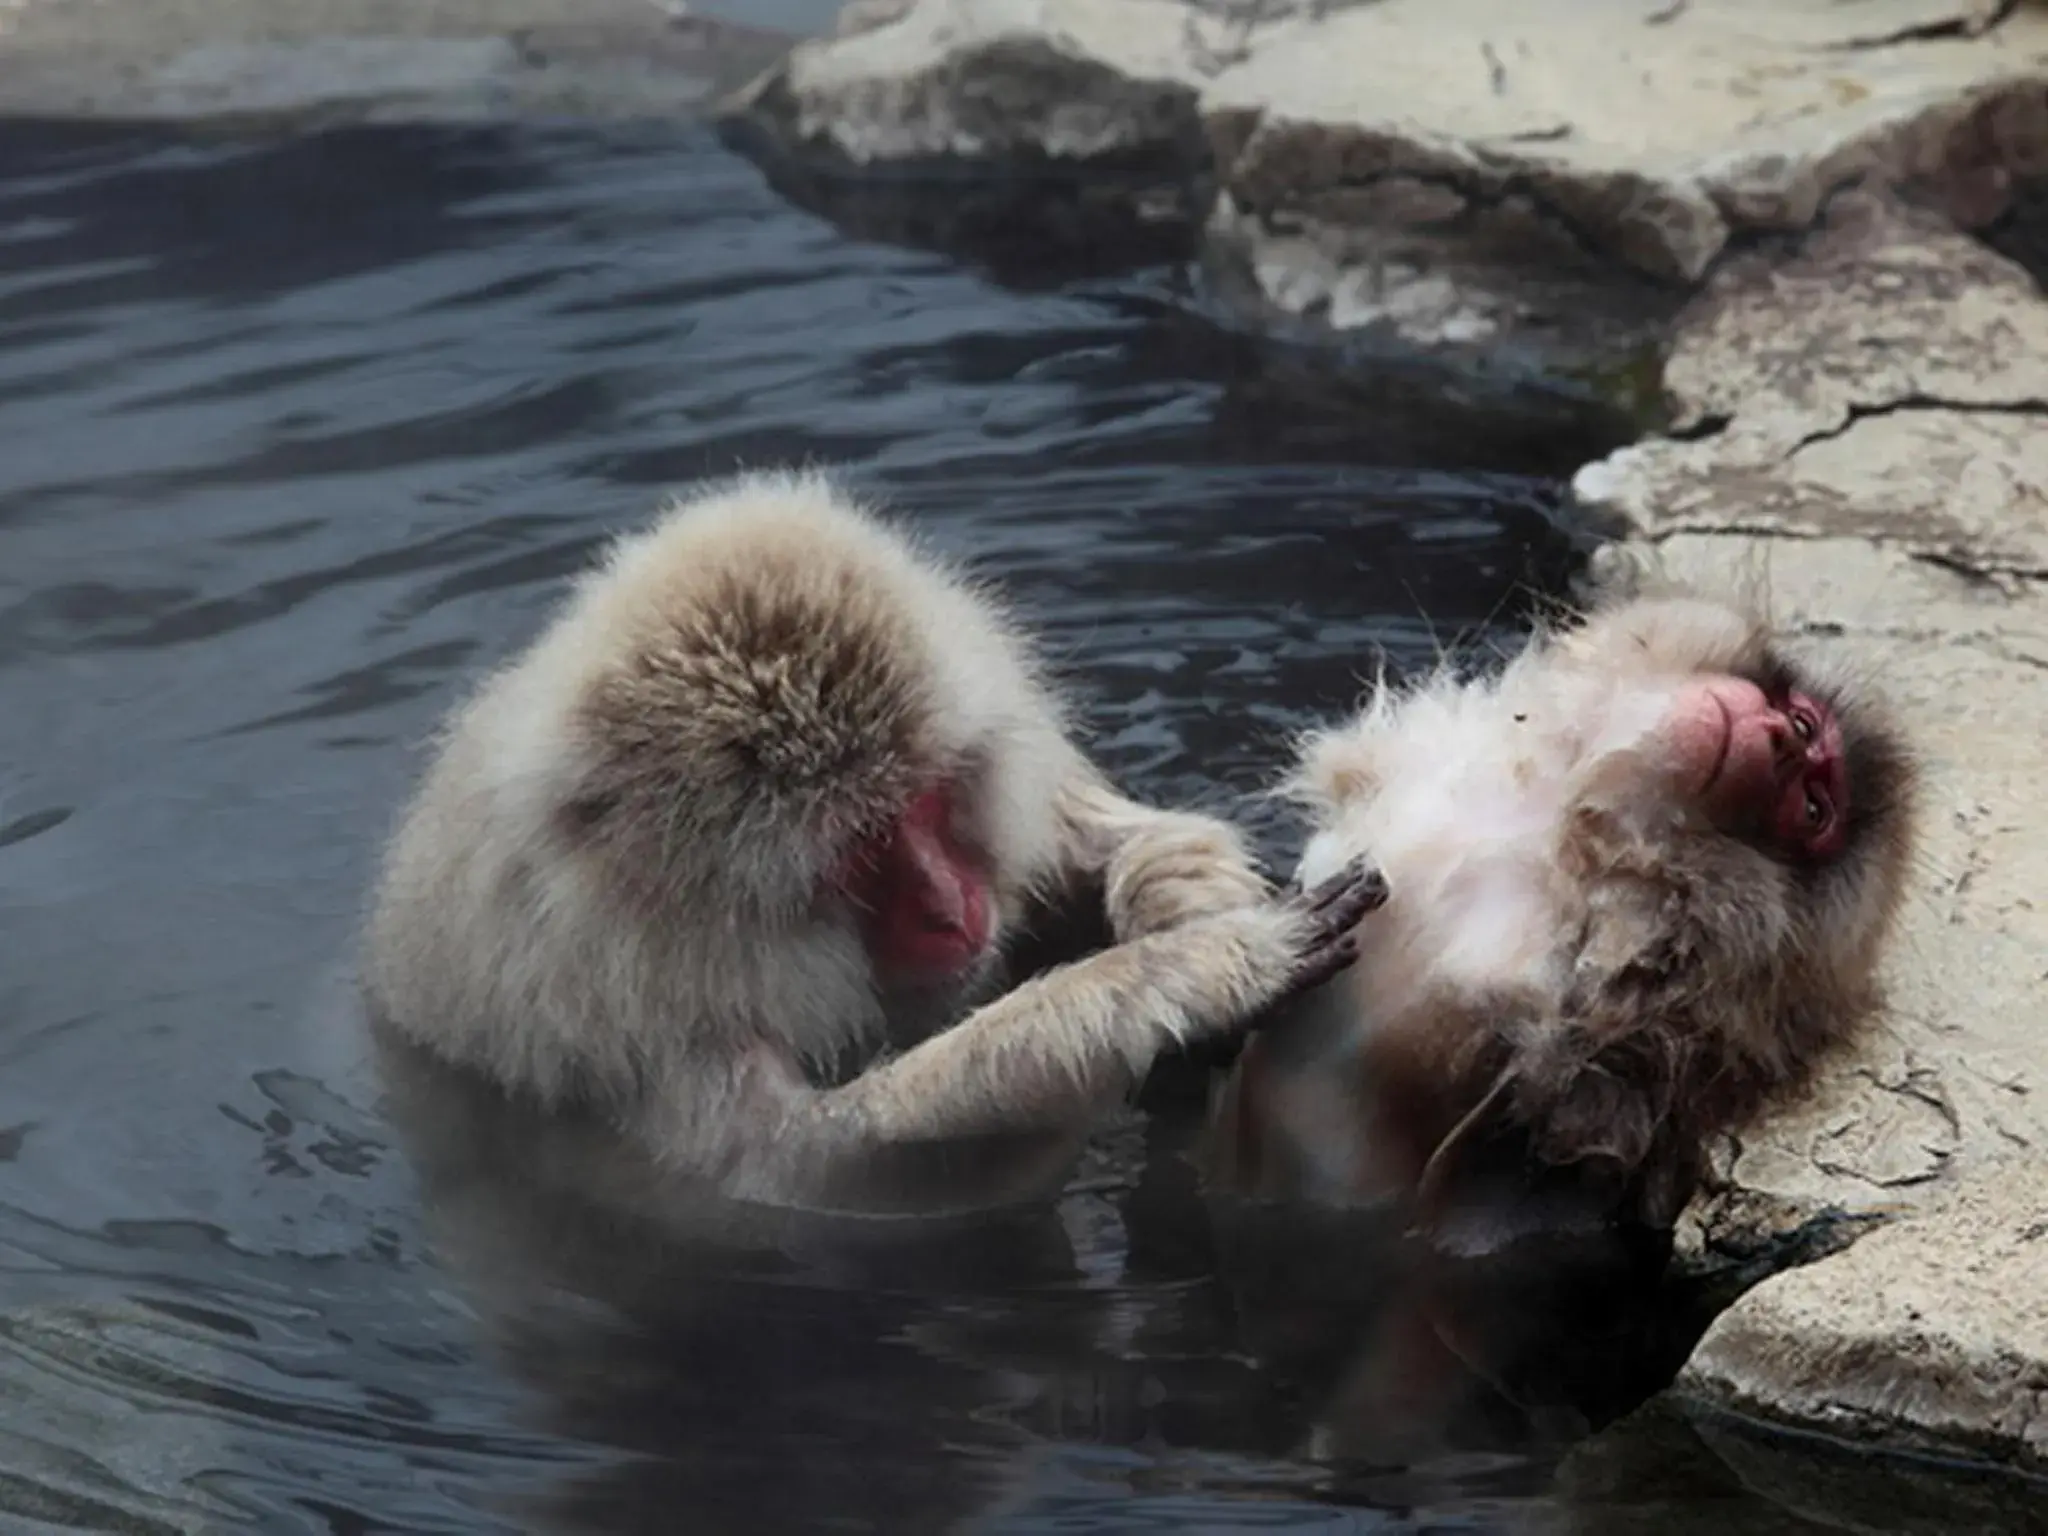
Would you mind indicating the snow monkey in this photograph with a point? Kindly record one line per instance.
(1640, 881)
(730, 859)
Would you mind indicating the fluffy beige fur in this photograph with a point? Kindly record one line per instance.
(607, 891)
(1570, 948)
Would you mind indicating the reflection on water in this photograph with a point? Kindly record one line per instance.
(298, 437)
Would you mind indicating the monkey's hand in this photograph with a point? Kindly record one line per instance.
(1049, 1055)
(1175, 867)
(1327, 918)
(1233, 966)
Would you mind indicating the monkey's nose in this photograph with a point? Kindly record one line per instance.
(1786, 747)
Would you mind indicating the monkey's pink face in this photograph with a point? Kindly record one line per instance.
(924, 896)
(1758, 760)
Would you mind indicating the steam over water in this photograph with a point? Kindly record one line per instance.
(298, 438)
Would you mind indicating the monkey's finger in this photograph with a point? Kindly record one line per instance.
(1347, 872)
(1347, 896)
(1326, 962)
(1368, 895)
(1360, 870)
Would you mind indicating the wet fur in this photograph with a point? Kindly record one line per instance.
(606, 892)
(1573, 965)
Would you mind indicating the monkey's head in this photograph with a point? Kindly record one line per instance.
(1748, 781)
(1740, 825)
(801, 727)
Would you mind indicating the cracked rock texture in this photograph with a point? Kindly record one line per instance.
(1938, 1324)
(1888, 380)
(1537, 182)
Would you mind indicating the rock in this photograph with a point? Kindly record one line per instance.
(1649, 130)
(1539, 190)
(991, 82)
(1681, 1468)
(328, 61)
(1928, 1334)
(1047, 137)
(1888, 380)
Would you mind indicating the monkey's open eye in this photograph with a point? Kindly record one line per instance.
(1817, 811)
(1804, 726)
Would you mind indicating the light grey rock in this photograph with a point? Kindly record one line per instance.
(463, 76)
(1026, 135)
(291, 61)
(1929, 1334)
(991, 82)
(1889, 380)
(1650, 129)
(1540, 186)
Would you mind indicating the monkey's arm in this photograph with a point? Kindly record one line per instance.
(1020, 1080)
(1157, 868)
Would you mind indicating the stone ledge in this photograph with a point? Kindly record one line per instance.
(1652, 131)
(1084, 81)
(1449, 173)
(1932, 1333)
(1886, 380)
(343, 61)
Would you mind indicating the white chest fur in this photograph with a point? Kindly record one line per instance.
(1458, 794)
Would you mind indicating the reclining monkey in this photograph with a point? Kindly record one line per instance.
(1640, 884)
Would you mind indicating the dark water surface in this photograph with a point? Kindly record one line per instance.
(298, 437)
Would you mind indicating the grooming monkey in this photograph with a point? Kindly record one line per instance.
(772, 795)
(1641, 879)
